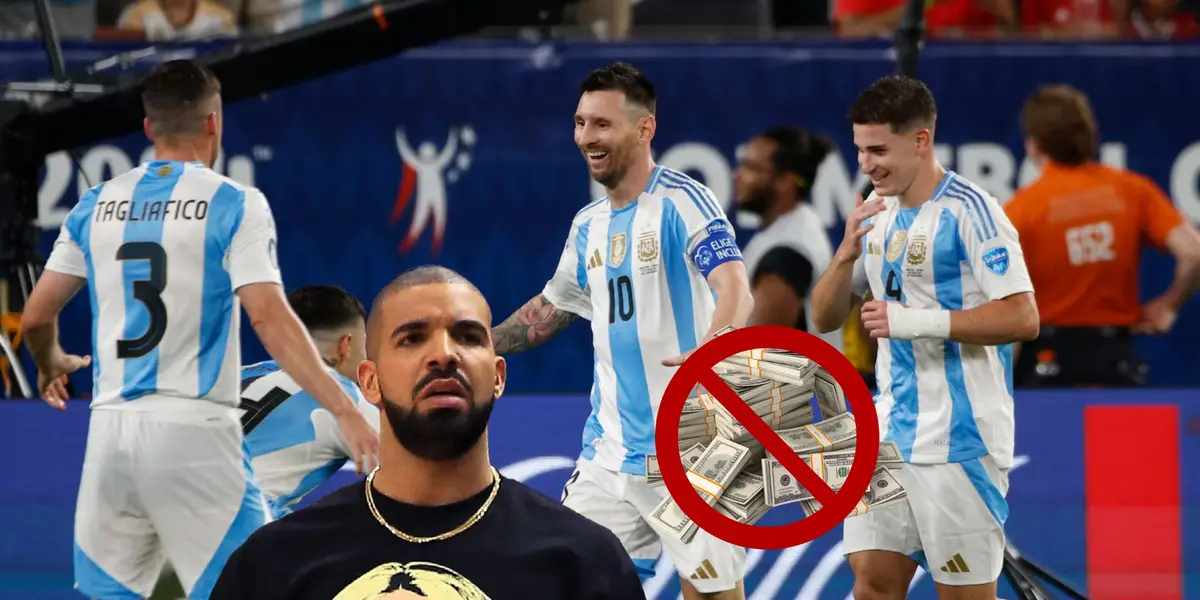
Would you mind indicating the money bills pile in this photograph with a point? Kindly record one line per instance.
(730, 469)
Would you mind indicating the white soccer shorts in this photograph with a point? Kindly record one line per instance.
(167, 479)
(623, 503)
(951, 523)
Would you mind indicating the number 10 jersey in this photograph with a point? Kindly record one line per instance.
(163, 248)
(639, 274)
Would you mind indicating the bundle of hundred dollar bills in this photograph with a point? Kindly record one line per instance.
(732, 472)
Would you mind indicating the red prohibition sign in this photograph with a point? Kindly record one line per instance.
(835, 506)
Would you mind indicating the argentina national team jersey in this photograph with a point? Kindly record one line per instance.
(639, 275)
(163, 247)
(294, 444)
(939, 400)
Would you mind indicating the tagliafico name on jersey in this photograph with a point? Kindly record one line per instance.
(155, 210)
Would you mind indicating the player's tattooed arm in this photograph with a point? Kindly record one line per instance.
(530, 326)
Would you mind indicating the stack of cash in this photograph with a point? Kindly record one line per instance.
(729, 468)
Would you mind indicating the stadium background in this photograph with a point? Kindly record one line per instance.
(326, 154)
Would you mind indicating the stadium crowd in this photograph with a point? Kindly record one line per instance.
(617, 19)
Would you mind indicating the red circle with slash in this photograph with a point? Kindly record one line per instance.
(835, 506)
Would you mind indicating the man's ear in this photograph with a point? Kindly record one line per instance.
(343, 347)
(146, 128)
(368, 382)
(501, 377)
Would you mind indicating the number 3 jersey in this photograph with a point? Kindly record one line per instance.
(639, 274)
(939, 400)
(163, 247)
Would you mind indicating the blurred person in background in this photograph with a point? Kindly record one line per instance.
(178, 19)
(943, 18)
(1080, 19)
(1086, 222)
(1161, 19)
(784, 259)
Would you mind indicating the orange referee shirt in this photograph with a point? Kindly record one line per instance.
(1082, 229)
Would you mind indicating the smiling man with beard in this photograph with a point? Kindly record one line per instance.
(435, 520)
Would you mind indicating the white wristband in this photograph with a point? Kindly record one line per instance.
(906, 323)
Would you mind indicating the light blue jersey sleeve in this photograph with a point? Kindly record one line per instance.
(568, 289)
(68, 256)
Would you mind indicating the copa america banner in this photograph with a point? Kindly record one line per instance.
(1105, 492)
(462, 154)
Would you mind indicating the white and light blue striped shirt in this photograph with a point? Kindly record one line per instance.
(639, 275)
(163, 248)
(939, 400)
(294, 444)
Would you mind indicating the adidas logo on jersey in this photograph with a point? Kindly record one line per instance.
(706, 571)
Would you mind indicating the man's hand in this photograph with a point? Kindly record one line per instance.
(875, 319)
(52, 377)
(1158, 316)
(676, 361)
(362, 439)
(851, 246)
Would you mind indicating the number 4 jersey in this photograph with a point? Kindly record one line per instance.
(639, 274)
(163, 247)
(939, 400)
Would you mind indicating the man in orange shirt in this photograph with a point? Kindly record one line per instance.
(1083, 224)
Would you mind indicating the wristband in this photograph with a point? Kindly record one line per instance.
(906, 323)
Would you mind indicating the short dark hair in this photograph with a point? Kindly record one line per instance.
(898, 101)
(177, 96)
(1059, 119)
(798, 151)
(625, 78)
(326, 307)
(423, 275)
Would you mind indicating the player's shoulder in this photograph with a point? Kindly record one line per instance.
(546, 519)
(590, 210)
(241, 193)
(969, 202)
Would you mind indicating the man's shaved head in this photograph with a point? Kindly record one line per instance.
(423, 275)
(431, 365)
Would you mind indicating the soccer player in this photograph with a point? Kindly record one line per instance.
(952, 294)
(655, 267)
(169, 251)
(436, 520)
(294, 443)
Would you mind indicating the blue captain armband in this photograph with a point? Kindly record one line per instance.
(717, 248)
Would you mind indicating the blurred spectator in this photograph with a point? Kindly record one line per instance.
(943, 18)
(178, 19)
(607, 19)
(785, 258)
(1080, 19)
(1083, 224)
(1161, 19)
(269, 17)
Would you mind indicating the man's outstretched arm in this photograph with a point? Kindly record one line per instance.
(534, 323)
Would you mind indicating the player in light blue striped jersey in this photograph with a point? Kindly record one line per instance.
(654, 266)
(951, 295)
(169, 252)
(294, 442)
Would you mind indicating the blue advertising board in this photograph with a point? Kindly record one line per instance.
(462, 154)
(536, 439)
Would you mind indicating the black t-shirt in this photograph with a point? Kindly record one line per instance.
(526, 547)
(793, 268)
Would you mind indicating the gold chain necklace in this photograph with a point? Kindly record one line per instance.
(449, 534)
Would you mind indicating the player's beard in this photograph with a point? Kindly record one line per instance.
(440, 434)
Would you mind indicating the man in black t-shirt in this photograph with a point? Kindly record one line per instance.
(435, 520)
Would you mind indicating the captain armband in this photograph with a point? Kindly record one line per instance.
(716, 248)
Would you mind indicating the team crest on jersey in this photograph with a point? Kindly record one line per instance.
(917, 248)
(873, 248)
(895, 247)
(996, 260)
(647, 252)
(164, 170)
(616, 250)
